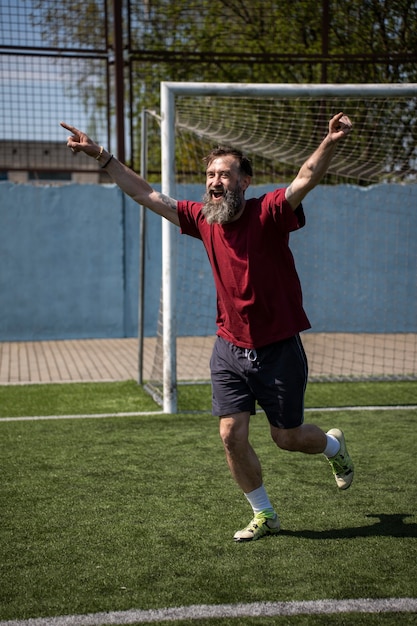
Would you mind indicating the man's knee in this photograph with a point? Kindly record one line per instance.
(286, 438)
(234, 430)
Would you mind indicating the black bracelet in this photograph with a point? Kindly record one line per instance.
(107, 162)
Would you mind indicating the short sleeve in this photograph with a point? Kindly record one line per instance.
(189, 215)
(282, 212)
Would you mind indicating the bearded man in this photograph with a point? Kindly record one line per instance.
(258, 355)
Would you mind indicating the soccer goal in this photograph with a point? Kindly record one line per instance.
(357, 255)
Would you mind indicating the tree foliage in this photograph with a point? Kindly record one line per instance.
(291, 41)
(246, 40)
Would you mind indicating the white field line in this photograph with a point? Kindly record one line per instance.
(77, 417)
(402, 407)
(390, 407)
(204, 611)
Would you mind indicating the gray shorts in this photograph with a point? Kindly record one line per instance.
(275, 376)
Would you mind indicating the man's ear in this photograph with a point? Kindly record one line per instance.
(245, 182)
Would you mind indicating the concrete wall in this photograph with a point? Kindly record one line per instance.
(69, 262)
(62, 262)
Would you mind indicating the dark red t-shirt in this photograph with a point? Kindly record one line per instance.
(259, 299)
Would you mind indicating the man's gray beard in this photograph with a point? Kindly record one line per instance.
(223, 211)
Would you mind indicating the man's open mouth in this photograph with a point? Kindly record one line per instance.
(217, 193)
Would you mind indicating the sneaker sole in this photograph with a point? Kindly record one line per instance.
(246, 539)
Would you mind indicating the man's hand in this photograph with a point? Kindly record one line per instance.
(80, 142)
(339, 126)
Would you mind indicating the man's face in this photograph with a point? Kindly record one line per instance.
(225, 188)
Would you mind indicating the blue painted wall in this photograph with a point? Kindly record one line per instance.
(61, 262)
(69, 262)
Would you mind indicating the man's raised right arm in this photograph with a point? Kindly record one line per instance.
(125, 178)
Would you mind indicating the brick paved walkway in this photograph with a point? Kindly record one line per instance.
(95, 360)
(68, 361)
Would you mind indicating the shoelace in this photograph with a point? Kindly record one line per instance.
(259, 520)
(338, 465)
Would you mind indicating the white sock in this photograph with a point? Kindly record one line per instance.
(332, 447)
(259, 501)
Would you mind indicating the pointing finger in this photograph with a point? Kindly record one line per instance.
(71, 128)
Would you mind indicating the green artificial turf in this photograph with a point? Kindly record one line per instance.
(139, 512)
(127, 397)
(74, 399)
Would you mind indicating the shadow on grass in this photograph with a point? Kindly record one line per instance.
(389, 525)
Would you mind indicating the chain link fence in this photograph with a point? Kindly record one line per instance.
(98, 64)
(46, 77)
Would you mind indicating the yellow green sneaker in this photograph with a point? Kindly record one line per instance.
(260, 526)
(341, 464)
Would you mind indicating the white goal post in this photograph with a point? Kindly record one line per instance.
(169, 92)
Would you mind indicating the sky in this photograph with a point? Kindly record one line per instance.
(37, 92)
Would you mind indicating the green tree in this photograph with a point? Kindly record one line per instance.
(291, 41)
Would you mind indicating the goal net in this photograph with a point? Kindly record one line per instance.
(357, 255)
